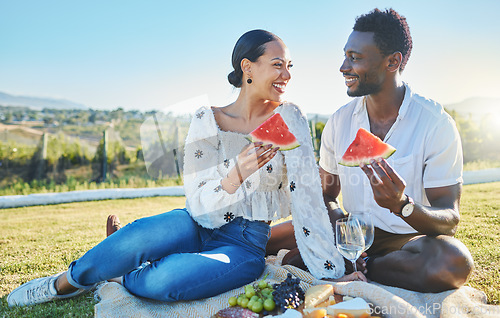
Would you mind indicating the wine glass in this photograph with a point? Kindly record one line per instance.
(366, 222)
(350, 239)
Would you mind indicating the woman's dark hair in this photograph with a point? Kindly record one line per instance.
(250, 46)
(391, 32)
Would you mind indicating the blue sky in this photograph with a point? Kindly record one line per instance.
(154, 54)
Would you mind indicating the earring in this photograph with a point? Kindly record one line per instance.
(249, 81)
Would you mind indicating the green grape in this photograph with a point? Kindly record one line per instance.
(250, 292)
(250, 304)
(269, 304)
(262, 284)
(240, 299)
(257, 307)
(233, 301)
(254, 298)
(244, 302)
(266, 291)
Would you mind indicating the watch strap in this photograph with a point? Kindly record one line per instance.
(408, 200)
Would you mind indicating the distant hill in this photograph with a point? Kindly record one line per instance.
(476, 106)
(38, 103)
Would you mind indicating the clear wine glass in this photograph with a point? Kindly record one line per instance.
(350, 240)
(366, 222)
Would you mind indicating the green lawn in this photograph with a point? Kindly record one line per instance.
(43, 240)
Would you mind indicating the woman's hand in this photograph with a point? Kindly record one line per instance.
(253, 157)
(250, 159)
(356, 276)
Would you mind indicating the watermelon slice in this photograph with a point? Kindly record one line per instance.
(274, 131)
(365, 147)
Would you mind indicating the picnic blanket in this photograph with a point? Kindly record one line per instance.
(116, 301)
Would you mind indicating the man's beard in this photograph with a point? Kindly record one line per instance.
(364, 89)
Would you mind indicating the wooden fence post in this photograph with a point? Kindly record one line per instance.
(176, 145)
(105, 155)
(313, 136)
(42, 160)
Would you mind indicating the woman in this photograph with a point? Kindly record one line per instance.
(218, 242)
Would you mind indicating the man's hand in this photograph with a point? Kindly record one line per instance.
(360, 264)
(388, 187)
(441, 217)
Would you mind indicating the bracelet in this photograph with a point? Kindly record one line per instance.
(239, 173)
(233, 184)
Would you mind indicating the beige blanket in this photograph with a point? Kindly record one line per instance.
(116, 301)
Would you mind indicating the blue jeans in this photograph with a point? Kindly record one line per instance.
(187, 261)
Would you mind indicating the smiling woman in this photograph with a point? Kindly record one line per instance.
(262, 57)
(234, 189)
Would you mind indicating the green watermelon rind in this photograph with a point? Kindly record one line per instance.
(355, 163)
(282, 147)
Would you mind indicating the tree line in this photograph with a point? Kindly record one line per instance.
(51, 160)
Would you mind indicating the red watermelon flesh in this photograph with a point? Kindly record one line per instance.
(365, 147)
(274, 131)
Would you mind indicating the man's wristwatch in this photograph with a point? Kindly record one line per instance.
(408, 207)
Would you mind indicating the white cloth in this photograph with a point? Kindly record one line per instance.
(209, 157)
(465, 302)
(428, 154)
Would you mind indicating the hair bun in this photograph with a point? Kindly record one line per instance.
(234, 79)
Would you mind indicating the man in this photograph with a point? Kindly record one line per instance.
(414, 195)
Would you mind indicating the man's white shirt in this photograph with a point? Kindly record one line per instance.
(428, 154)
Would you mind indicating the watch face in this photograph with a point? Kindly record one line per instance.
(407, 209)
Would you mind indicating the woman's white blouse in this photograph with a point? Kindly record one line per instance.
(287, 184)
(261, 197)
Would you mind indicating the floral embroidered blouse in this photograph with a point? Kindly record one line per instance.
(287, 184)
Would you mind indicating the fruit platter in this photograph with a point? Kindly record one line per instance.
(288, 300)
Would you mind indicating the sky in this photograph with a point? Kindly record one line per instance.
(175, 55)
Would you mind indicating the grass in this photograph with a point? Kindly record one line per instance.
(43, 240)
(481, 165)
(479, 230)
(77, 179)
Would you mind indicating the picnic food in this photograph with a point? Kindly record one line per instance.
(257, 297)
(318, 294)
(316, 313)
(262, 297)
(288, 294)
(235, 312)
(274, 131)
(355, 308)
(341, 315)
(366, 146)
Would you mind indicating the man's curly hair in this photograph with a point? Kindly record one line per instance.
(391, 32)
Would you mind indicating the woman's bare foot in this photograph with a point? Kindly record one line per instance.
(112, 225)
